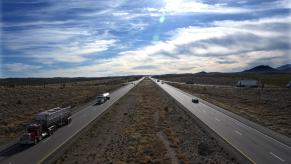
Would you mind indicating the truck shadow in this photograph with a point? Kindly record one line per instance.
(98, 104)
(13, 149)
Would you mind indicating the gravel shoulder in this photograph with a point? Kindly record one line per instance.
(145, 126)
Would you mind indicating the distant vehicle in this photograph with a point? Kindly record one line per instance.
(162, 82)
(289, 85)
(102, 98)
(158, 80)
(46, 123)
(195, 100)
(247, 83)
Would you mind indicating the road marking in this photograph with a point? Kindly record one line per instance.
(225, 139)
(240, 123)
(78, 130)
(70, 125)
(217, 119)
(239, 133)
(46, 139)
(277, 157)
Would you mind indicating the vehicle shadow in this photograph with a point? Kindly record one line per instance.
(13, 149)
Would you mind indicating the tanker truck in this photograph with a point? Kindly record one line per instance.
(46, 123)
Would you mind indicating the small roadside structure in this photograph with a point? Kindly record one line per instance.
(289, 85)
(248, 83)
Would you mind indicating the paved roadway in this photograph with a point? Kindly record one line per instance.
(19, 154)
(253, 144)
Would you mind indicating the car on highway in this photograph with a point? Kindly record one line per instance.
(195, 100)
(102, 98)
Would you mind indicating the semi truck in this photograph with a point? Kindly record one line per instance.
(102, 98)
(46, 124)
(247, 83)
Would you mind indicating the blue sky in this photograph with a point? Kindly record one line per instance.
(69, 38)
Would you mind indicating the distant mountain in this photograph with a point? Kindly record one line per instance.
(262, 68)
(285, 68)
(201, 73)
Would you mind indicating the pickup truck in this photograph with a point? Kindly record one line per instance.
(102, 98)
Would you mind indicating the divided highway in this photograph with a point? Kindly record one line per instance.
(256, 146)
(38, 153)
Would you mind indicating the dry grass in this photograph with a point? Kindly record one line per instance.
(19, 104)
(270, 107)
(145, 126)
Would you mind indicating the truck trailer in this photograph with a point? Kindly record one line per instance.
(46, 123)
(248, 83)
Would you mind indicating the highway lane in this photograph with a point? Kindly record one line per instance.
(253, 144)
(39, 152)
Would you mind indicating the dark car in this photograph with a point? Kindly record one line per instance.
(195, 100)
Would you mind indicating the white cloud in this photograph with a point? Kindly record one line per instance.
(20, 67)
(51, 45)
(226, 46)
(173, 7)
(74, 52)
(120, 14)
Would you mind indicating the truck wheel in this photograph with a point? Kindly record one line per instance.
(39, 139)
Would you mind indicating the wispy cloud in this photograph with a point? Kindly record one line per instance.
(120, 37)
(16, 67)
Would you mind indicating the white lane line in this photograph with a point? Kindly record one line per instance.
(239, 133)
(217, 119)
(277, 157)
(46, 139)
(237, 122)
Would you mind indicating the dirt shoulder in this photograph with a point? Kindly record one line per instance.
(19, 104)
(270, 107)
(145, 126)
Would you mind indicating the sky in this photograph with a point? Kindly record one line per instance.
(94, 38)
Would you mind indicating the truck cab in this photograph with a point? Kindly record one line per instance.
(32, 135)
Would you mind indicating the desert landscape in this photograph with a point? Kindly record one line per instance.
(145, 126)
(269, 106)
(21, 99)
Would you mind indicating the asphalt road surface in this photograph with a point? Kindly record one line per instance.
(20, 154)
(253, 144)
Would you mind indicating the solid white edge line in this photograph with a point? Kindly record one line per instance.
(239, 133)
(241, 123)
(277, 157)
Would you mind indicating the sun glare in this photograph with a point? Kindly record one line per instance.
(184, 6)
(173, 4)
